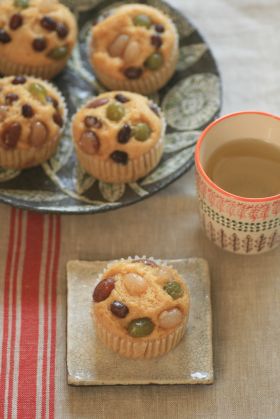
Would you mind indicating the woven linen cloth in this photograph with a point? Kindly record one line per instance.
(34, 249)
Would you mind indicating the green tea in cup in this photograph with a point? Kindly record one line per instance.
(246, 167)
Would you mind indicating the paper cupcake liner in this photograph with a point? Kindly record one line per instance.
(21, 159)
(146, 85)
(44, 71)
(142, 348)
(111, 172)
(33, 156)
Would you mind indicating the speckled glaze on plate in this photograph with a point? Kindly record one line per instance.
(89, 362)
(190, 101)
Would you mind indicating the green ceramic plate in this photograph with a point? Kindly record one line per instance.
(190, 101)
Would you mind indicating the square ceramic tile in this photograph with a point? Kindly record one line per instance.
(89, 362)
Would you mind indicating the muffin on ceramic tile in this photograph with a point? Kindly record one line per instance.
(32, 117)
(135, 48)
(140, 308)
(36, 37)
(118, 136)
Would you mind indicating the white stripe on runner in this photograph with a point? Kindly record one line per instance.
(49, 316)
(42, 285)
(4, 244)
(8, 355)
(18, 319)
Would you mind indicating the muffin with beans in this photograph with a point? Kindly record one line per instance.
(135, 48)
(32, 117)
(140, 308)
(118, 136)
(36, 37)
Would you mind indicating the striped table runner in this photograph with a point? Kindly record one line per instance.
(30, 247)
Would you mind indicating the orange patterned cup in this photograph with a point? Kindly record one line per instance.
(237, 224)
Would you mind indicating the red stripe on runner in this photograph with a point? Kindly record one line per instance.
(27, 381)
(53, 318)
(8, 269)
(46, 316)
(14, 316)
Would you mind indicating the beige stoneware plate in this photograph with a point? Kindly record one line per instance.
(89, 362)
